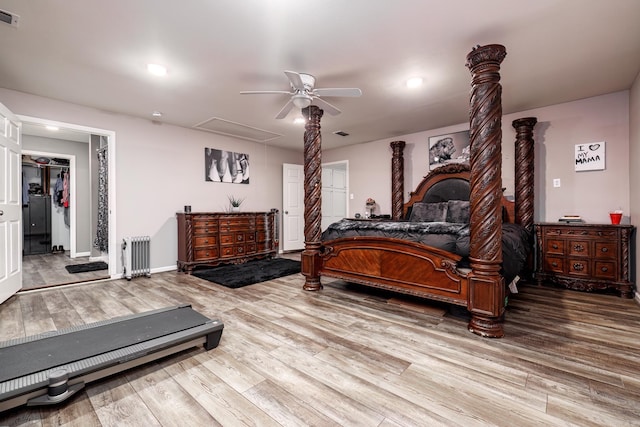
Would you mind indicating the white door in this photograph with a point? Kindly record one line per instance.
(334, 193)
(10, 205)
(292, 207)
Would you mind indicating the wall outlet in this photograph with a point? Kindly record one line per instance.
(351, 196)
(556, 182)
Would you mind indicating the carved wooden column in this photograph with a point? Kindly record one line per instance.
(486, 285)
(397, 179)
(524, 173)
(310, 259)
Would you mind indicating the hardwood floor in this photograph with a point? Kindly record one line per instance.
(40, 271)
(346, 356)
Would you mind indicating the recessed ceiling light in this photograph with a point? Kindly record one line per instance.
(157, 69)
(157, 114)
(299, 120)
(53, 128)
(414, 82)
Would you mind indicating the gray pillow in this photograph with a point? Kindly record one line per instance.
(458, 211)
(429, 212)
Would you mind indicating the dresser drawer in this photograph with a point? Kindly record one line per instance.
(211, 240)
(205, 254)
(205, 230)
(226, 239)
(205, 221)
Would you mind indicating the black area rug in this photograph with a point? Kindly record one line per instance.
(237, 276)
(90, 266)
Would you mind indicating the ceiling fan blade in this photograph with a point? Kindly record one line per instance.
(285, 110)
(326, 106)
(338, 91)
(261, 92)
(295, 79)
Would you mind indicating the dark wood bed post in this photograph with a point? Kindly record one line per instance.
(524, 174)
(486, 284)
(310, 258)
(397, 180)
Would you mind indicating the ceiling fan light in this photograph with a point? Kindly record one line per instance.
(414, 82)
(301, 101)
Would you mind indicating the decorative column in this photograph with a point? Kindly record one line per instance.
(397, 180)
(486, 284)
(524, 174)
(310, 259)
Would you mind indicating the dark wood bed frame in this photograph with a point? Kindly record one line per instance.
(416, 269)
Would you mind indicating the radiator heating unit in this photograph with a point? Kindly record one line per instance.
(136, 252)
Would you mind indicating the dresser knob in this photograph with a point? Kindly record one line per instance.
(578, 266)
(578, 248)
(554, 246)
(604, 269)
(605, 249)
(554, 264)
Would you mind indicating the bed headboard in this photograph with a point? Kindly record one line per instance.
(449, 182)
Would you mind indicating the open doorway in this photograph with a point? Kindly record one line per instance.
(79, 145)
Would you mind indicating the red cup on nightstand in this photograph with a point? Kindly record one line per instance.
(615, 217)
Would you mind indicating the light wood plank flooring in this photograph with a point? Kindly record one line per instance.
(345, 356)
(39, 271)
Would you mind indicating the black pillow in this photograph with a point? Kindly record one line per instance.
(458, 211)
(429, 212)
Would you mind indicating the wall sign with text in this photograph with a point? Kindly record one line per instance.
(590, 157)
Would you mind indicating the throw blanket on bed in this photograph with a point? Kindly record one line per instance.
(451, 237)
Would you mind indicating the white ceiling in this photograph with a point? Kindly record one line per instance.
(94, 53)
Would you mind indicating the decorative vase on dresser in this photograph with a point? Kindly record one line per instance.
(213, 238)
(586, 256)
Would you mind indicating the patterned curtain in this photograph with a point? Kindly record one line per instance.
(101, 241)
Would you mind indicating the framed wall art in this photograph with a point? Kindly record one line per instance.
(449, 148)
(226, 166)
(590, 157)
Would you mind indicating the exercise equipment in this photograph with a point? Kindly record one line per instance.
(49, 368)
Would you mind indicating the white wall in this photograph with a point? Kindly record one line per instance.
(634, 159)
(160, 168)
(560, 127)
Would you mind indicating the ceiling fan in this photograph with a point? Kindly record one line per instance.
(303, 93)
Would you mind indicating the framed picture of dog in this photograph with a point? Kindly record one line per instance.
(449, 148)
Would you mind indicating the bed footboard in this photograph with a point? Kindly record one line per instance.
(396, 265)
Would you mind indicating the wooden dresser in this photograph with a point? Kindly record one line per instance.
(586, 256)
(212, 238)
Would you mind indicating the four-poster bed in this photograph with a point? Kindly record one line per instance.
(422, 269)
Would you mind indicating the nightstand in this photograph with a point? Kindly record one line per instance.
(586, 256)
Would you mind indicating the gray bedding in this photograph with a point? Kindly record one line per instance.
(451, 237)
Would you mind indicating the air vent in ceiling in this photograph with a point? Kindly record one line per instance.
(341, 133)
(9, 18)
(226, 127)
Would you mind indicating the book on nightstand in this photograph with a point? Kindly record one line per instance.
(570, 218)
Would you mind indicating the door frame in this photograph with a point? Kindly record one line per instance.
(111, 158)
(72, 192)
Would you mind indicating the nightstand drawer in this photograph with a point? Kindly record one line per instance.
(605, 250)
(555, 246)
(555, 264)
(579, 248)
(578, 267)
(605, 269)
